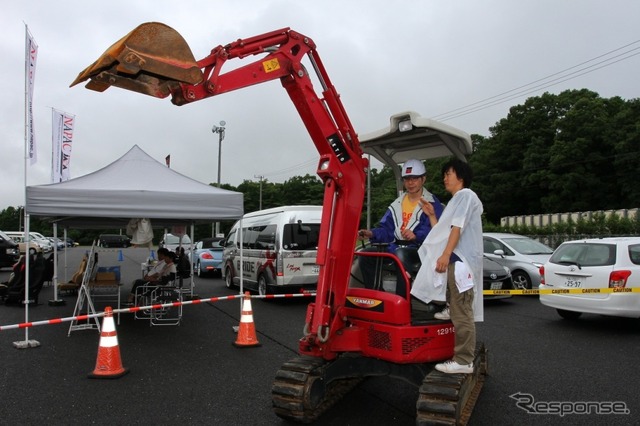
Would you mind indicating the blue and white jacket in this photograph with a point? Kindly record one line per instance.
(389, 229)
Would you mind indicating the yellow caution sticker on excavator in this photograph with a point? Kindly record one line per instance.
(271, 65)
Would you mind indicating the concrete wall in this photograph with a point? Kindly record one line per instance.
(542, 220)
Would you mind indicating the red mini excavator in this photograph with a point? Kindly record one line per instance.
(353, 329)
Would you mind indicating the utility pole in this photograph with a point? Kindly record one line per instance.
(260, 177)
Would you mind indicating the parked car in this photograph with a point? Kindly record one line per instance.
(19, 238)
(207, 257)
(172, 242)
(58, 243)
(43, 241)
(522, 255)
(114, 240)
(9, 251)
(586, 265)
(71, 243)
(495, 277)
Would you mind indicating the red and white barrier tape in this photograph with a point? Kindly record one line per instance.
(157, 306)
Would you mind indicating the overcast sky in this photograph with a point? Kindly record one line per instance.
(465, 62)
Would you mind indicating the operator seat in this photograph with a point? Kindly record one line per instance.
(410, 260)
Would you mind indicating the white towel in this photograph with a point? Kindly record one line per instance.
(464, 277)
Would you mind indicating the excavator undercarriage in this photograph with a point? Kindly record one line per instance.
(305, 387)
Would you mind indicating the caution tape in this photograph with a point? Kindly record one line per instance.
(561, 291)
(144, 308)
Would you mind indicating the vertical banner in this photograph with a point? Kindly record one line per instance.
(62, 139)
(31, 55)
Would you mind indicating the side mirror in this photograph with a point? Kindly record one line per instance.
(499, 252)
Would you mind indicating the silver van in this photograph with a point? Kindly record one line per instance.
(279, 250)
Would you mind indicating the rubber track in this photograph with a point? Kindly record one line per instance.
(448, 399)
(291, 388)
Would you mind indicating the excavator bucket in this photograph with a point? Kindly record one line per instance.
(152, 59)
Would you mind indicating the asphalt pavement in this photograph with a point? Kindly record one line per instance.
(193, 374)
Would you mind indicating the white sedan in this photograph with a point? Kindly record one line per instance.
(584, 266)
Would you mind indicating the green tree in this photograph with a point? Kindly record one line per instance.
(303, 190)
(565, 152)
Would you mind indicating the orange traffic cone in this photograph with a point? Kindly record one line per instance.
(108, 364)
(247, 330)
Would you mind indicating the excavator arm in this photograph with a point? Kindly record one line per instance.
(154, 59)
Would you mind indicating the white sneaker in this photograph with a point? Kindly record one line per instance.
(453, 367)
(443, 314)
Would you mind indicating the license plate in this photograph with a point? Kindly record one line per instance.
(315, 269)
(496, 285)
(572, 282)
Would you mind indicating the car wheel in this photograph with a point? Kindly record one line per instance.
(263, 289)
(569, 315)
(228, 278)
(521, 280)
(198, 270)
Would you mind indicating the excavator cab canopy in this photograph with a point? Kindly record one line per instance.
(411, 136)
(152, 59)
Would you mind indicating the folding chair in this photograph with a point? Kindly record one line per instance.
(167, 315)
(159, 294)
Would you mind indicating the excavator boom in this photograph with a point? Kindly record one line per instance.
(154, 59)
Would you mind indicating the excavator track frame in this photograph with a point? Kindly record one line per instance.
(300, 392)
(448, 399)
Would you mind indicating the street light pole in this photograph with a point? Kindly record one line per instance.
(220, 131)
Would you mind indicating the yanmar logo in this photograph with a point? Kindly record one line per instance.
(363, 302)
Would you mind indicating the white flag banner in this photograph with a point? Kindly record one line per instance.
(62, 139)
(31, 55)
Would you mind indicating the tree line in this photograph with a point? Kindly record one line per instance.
(573, 151)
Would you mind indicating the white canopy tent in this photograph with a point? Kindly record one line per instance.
(133, 186)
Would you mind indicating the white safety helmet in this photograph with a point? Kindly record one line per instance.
(413, 167)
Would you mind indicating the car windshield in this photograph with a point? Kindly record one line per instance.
(528, 246)
(585, 254)
(214, 244)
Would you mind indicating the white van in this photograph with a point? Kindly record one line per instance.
(280, 246)
(172, 242)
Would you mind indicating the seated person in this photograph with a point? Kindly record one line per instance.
(183, 265)
(159, 274)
